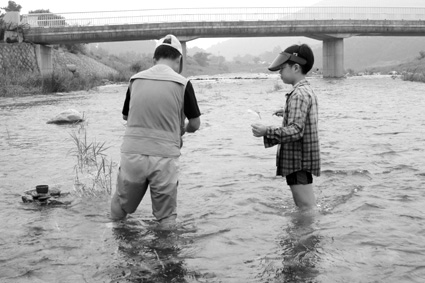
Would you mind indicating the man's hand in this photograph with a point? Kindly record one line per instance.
(279, 113)
(193, 125)
(259, 130)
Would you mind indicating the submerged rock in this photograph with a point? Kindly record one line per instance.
(69, 116)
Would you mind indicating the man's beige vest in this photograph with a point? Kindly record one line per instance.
(156, 118)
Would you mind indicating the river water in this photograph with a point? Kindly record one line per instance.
(237, 221)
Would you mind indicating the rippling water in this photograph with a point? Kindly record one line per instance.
(237, 220)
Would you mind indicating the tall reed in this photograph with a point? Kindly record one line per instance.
(93, 171)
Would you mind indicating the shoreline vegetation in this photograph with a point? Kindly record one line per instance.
(23, 83)
(94, 170)
(14, 82)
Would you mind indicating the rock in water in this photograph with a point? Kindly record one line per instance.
(69, 116)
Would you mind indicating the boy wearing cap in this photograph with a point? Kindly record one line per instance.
(157, 103)
(298, 154)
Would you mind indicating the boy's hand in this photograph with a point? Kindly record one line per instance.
(279, 112)
(259, 130)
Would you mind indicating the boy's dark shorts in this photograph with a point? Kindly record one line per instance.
(299, 178)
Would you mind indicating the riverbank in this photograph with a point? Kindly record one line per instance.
(17, 84)
(413, 70)
(71, 72)
(74, 72)
(414, 77)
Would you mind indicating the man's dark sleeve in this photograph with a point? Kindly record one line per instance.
(191, 109)
(126, 106)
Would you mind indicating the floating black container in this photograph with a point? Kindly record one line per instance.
(42, 189)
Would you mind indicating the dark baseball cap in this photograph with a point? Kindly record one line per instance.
(300, 54)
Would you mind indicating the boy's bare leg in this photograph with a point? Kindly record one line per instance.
(117, 213)
(303, 196)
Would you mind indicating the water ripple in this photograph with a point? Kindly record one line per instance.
(238, 222)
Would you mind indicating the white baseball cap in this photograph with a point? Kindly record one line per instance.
(172, 41)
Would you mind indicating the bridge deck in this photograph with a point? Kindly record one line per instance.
(315, 29)
(315, 22)
(222, 14)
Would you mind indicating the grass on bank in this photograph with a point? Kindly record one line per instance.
(93, 170)
(21, 83)
(413, 70)
(414, 77)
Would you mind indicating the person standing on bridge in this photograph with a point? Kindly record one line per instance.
(157, 103)
(298, 154)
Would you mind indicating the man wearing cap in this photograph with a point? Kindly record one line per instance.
(157, 103)
(298, 154)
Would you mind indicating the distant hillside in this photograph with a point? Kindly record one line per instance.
(415, 65)
(361, 53)
(255, 45)
(116, 48)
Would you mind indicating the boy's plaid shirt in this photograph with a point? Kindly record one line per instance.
(298, 137)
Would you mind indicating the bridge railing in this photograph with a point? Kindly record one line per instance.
(222, 14)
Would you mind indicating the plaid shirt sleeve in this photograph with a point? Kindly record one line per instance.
(293, 125)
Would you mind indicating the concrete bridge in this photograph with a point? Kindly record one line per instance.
(329, 24)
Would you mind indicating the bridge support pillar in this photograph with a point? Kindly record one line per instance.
(184, 57)
(333, 58)
(183, 40)
(44, 59)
